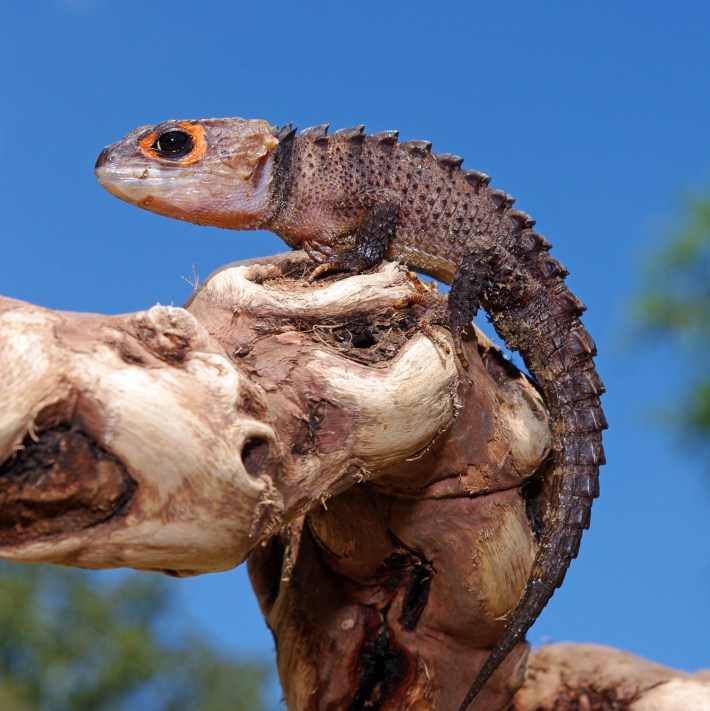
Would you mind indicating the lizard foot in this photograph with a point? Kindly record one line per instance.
(321, 254)
(436, 314)
(458, 321)
(330, 260)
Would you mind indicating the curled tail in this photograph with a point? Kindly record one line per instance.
(538, 316)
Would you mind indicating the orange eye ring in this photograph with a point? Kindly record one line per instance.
(196, 131)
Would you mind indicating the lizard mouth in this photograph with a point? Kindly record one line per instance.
(182, 194)
(150, 193)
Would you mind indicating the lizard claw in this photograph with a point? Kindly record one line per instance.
(322, 254)
(322, 268)
(330, 260)
(436, 314)
(317, 251)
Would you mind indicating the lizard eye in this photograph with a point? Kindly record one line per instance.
(173, 144)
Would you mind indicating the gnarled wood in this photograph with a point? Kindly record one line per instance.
(388, 501)
(273, 412)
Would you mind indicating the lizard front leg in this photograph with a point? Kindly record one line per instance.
(372, 238)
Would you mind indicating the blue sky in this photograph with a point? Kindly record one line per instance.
(595, 116)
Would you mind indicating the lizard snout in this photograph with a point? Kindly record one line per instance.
(101, 160)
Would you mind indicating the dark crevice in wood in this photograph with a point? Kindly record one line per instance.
(60, 481)
(382, 670)
(417, 593)
(255, 455)
(536, 494)
(266, 569)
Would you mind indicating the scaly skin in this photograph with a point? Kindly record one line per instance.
(352, 200)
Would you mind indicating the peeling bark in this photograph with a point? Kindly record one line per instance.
(387, 501)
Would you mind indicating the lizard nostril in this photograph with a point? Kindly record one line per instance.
(101, 160)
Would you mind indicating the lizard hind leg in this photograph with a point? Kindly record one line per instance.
(471, 286)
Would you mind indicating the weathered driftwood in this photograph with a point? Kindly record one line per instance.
(386, 499)
(589, 677)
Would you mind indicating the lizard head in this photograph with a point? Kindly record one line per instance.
(211, 172)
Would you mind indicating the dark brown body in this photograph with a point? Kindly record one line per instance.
(450, 225)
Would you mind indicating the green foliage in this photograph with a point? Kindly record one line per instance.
(69, 642)
(675, 303)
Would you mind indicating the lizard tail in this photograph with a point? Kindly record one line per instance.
(559, 353)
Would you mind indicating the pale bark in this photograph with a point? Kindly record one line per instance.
(385, 497)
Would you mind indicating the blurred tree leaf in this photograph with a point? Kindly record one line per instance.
(70, 642)
(674, 303)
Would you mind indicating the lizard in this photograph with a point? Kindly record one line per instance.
(350, 200)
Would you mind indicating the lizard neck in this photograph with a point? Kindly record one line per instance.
(281, 183)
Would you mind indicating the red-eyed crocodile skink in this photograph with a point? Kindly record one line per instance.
(350, 200)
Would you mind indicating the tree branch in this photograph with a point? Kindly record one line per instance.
(387, 500)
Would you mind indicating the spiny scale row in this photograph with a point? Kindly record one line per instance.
(416, 147)
(419, 148)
